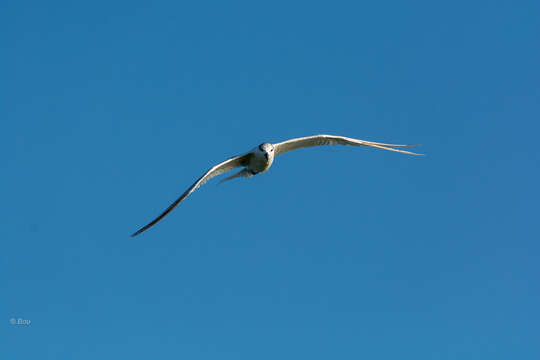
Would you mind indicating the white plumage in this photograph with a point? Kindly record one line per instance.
(260, 158)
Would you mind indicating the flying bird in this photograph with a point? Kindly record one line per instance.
(260, 158)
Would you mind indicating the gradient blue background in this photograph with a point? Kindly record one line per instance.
(109, 110)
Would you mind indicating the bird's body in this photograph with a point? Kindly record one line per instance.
(260, 159)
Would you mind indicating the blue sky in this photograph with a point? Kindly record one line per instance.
(111, 109)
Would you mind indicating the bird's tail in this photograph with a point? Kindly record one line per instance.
(241, 173)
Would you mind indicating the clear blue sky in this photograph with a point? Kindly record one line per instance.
(109, 110)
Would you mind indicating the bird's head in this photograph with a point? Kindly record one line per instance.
(267, 150)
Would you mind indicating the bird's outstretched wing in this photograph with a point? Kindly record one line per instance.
(319, 140)
(225, 166)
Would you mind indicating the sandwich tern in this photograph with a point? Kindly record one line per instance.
(260, 158)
